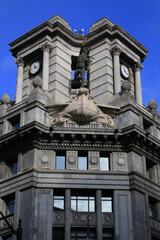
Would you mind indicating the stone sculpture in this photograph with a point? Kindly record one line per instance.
(83, 64)
(82, 110)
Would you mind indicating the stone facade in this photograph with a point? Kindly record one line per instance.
(76, 175)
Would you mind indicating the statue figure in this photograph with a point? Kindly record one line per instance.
(83, 64)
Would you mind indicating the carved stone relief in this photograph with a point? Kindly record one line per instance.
(44, 160)
(71, 159)
(119, 161)
(108, 218)
(82, 218)
(93, 160)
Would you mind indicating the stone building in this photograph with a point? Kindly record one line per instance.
(79, 160)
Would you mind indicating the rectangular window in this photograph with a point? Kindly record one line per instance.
(82, 204)
(153, 208)
(80, 233)
(10, 207)
(149, 169)
(60, 160)
(82, 163)
(58, 203)
(104, 163)
(106, 204)
(14, 122)
(107, 234)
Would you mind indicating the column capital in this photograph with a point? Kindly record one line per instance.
(137, 66)
(116, 50)
(19, 61)
(46, 47)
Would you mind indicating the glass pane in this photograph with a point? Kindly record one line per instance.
(82, 205)
(91, 206)
(73, 205)
(14, 168)
(104, 164)
(60, 162)
(82, 163)
(106, 206)
(59, 204)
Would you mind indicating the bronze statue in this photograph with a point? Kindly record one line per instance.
(83, 64)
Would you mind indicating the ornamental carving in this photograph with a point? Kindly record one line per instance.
(82, 110)
(94, 160)
(116, 50)
(155, 225)
(76, 218)
(59, 217)
(20, 62)
(137, 66)
(46, 47)
(108, 219)
(44, 162)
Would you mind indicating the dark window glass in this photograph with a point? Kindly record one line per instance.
(9, 237)
(83, 234)
(107, 234)
(10, 207)
(14, 123)
(58, 234)
(60, 162)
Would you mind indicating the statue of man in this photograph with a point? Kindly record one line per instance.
(83, 60)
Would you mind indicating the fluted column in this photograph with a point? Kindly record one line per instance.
(67, 214)
(116, 69)
(20, 65)
(137, 69)
(99, 214)
(46, 47)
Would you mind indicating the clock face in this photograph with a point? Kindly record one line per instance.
(35, 67)
(124, 71)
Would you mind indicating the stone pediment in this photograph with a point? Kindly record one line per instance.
(82, 110)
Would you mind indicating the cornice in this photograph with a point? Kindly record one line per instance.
(57, 28)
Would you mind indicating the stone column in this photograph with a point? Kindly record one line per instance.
(67, 214)
(137, 69)
(20, 65)
(116, 69)
(99, 214)
(45, 71)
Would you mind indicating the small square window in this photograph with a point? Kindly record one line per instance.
(14, 122)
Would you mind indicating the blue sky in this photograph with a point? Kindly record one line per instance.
(141, 18)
